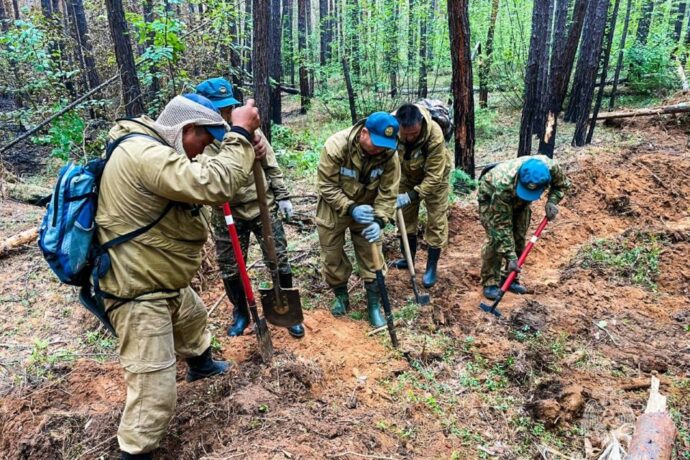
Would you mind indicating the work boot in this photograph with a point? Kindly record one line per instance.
(491, 292)
(429, 278)
(240, 311)
(341, 302)
(402, 263)
(297, 331)
(204, 366)
(125, 456)
(515, 287)
(374, 304)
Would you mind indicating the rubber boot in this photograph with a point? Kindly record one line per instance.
(491, 292)
(240, 311)
(341, 302)
(429, 278)
(204, 366)
(515, 287)
(374, 305)
(126, 456)
(297, 331)
(402, 263)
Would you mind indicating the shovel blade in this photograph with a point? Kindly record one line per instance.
(420, 299)
(263, 336)
(288, 312)
(490, 309)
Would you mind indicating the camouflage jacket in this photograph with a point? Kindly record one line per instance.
(498, 202)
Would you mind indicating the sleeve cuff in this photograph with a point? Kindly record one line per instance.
(380, 221)
(350, 208)
(243, 132)
(413, 194)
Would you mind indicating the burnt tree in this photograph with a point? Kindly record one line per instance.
(274, 61)
(645, 22)
(621, 52)
(302, 51)
(678, 23)
(15, 8)
(487, 57)
(538, 47)
(325, 24)
(288, 40)
(591, 50)
(425, 24)
(350, 91)
(579, 77)
(260, 55)
(131, 91)
(461, 84)
(544, 58)
(83, 43)
(3, 17)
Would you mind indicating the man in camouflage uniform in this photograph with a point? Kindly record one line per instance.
(247, 216)
(358, 179)
(425, 164)
(505, 193)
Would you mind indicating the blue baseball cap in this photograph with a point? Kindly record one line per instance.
(217, 131)
(218, 91)
(383, 129)
(533, 178)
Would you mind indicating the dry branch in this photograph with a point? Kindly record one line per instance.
(20, 239)
(655, 431)
(646, 112)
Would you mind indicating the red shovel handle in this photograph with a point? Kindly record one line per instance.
(246, 284)
(525, 253)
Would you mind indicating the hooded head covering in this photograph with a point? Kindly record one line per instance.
(180, 112)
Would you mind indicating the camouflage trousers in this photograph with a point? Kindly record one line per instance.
(226, 257)
(436, 232)
(493, 266)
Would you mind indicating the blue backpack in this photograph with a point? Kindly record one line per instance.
(67, 234)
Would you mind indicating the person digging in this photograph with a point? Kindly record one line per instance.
(505, 193)
(246, 214)
(357, 181)
(425, 166)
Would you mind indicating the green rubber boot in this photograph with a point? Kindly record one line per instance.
(374, 305)
(341, 302)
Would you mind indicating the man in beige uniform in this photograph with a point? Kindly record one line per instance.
(358, 181)
(426, 164)
(146, 289)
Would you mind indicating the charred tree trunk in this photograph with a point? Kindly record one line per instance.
(645, 22)
(604, 69)
(578, 80)
(310, 50)
(288, 37)
(325, 22)
(591, 50)
(260, 55)
(15, 8)
(350, 91)
(275, 62)
(303, 52)
(621, 52)
(678, 24)
(425, 20)
(543, 86)
(535, 62)
(131, 92)
(84, 47)
(486, 58)
(463, 98)
(3, 17)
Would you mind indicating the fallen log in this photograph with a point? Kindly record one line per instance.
(646, 112)
(655, 431)
(27, 193)
(26, 237)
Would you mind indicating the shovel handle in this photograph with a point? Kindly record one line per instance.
(242, 268)
(525, 253)
(406, 243)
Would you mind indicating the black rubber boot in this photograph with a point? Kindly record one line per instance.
(491, 292)
(402, 263)
(240, 311)
(515, 287)
(429, 278)
(297, 331)
(125, 456)
(204, 366)
(341, 302)
(374, 305)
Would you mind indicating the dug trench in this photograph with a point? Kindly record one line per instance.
(566, 363)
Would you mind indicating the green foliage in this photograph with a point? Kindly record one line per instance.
(651, 71)
(66, 135)
(461, 183)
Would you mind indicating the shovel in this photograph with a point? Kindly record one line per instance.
(282, 306)
(511, 277)
(421, 299)
(262, 333)
(384, 295)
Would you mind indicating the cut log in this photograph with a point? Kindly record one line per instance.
(26, 237)
(655, 431)
(27, 193)
(646, 112)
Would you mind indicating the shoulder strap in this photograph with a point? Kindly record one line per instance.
(140, 231)
(112, 145)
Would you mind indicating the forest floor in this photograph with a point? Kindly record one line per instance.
(608, 304)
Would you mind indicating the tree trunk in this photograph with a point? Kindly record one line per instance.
(463, 97)
(155, 86)
(390, 46)
(604, 69)
(310, 51)
(275, 62)
(678, 25)
(3, 17)
(131, 92)
(621, 52)
(592, 52)
(487, 57)
(350, 91)
(260, 56)
(302, 52)
(425, 19)
(576, 91)
(15, 7)
(537, 59)
(84, 44)
(353, 36)
(411, 37)
(683, 107)
(543, 86)
(324, 21)
(248, 31)
(645, 22)
(288, 39)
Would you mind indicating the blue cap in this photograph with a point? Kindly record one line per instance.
(218, 91)
(533, 178)
(383, 129)
(218, 132)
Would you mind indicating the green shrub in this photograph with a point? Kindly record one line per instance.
(651, 70)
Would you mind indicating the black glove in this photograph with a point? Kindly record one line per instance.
(551, 211)
(513, 266)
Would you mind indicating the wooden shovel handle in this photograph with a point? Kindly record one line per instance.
(405, 241)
